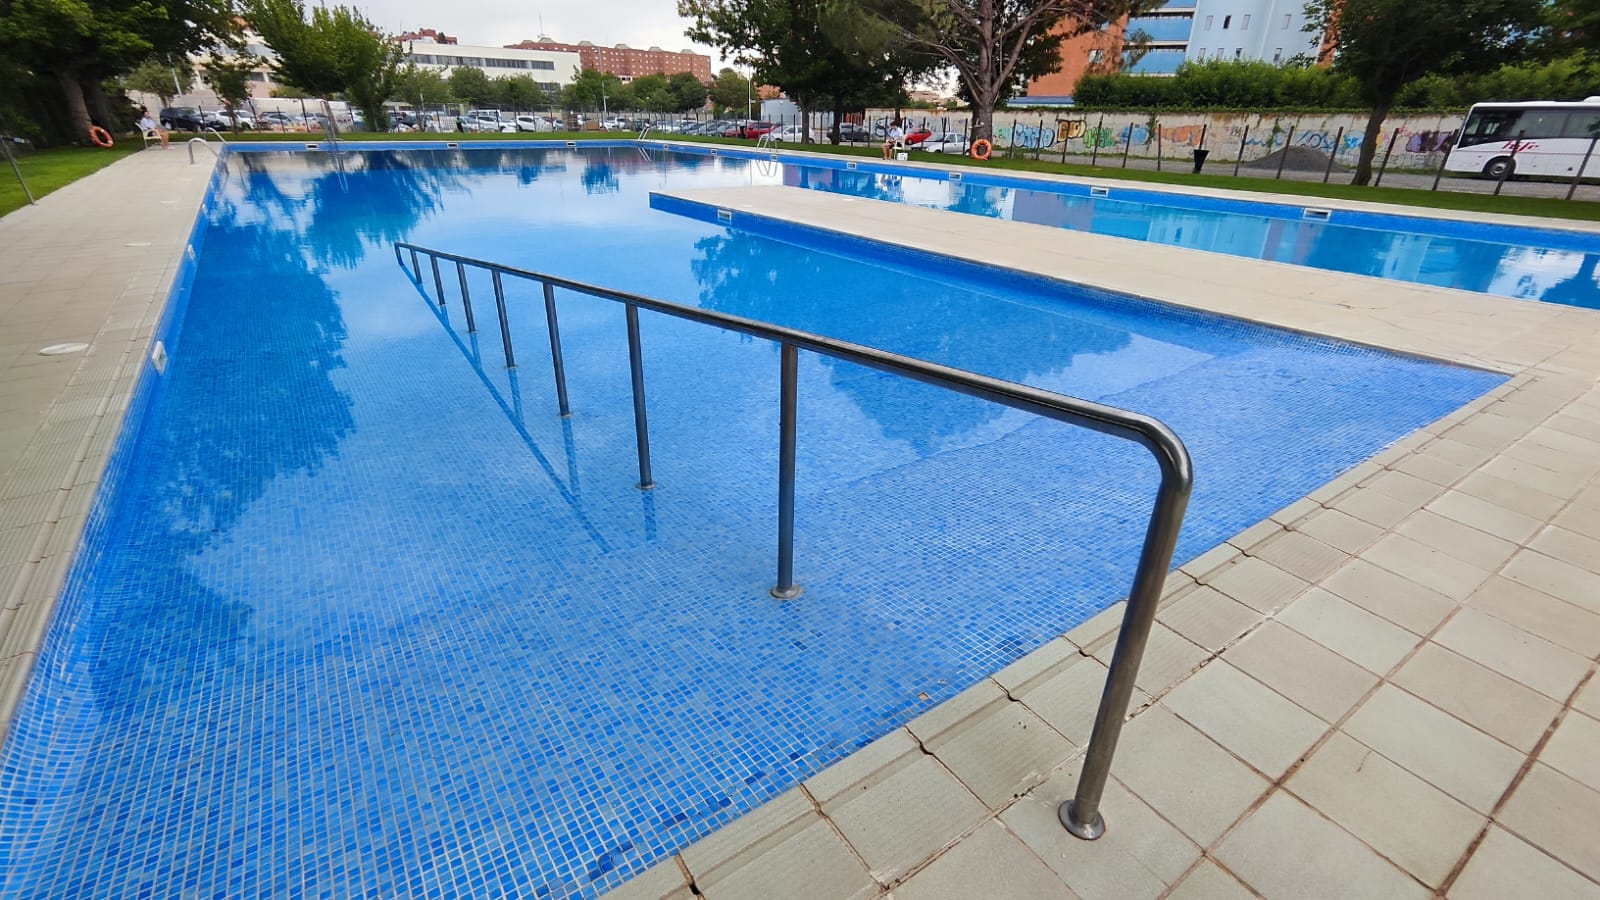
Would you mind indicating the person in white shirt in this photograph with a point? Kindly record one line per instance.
(896, 139)
(147, 125)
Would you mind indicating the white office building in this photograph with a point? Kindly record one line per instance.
(1269, 30)
(552, 69)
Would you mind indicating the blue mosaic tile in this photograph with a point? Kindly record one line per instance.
(362, 616)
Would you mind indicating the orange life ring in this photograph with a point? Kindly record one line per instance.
(100, 136)
(981, 148)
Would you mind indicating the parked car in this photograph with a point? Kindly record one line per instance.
(239, 117)
(851, 132)
(534, 123)
(484, 120)
(794, 134)
(756, 129)
(917, 135)
(280, 121)
(186, 118)
(948, 142)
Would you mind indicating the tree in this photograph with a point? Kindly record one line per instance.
(421, 86)
(471, 86)
(997, 45)
(650, 92)
(229, 78)
(79, 44)
(730, 90)
(165, 78)
(334, 51)
(688, 93)
(520, 92)
(1385, 45)
(593, 89)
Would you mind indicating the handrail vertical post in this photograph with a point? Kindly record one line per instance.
(466, 298)
(505, 323)
(1081, 814)
(438, 283)
(788, 414)
(555, 348)
(641, 426)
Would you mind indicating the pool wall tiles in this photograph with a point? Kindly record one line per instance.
(40, 771)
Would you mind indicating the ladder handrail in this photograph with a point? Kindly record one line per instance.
(219, 134)
(1081, 815)
(204, 143)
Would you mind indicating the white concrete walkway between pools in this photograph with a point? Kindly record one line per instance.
(1385, 690)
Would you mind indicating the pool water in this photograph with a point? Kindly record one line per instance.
(366, 617)
(1502, 261)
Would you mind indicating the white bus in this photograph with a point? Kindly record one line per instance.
(1547, 138)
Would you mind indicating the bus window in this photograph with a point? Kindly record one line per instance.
(1582, 125)
(1542, 123)
(1490, 125)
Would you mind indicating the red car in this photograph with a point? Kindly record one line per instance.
(918, 136)
(756, 129)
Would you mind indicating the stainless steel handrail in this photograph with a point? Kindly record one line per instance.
(1080, 815)
(204, 143)
(219, 134)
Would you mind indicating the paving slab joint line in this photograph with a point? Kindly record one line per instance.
(843, 839)
(688, 876)
(1516, 782)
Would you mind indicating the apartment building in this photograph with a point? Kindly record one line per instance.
(625, 62)
(552, 69)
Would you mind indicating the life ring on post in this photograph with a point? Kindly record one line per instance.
(981, 148)
(100, 136)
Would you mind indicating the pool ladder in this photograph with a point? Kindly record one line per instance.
(1080, 815)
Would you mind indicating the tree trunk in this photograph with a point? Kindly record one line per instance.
(838, 117)
(982, 121)
(76, 110)
(805, 121)
(1369, 143)
(101, 105)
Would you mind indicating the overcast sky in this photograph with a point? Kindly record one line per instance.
(493, 23)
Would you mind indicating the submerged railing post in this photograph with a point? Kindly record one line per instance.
(788, 413)
(466, 298)
(555, 348)
(641, 427)
(416, 267)
(1081, 814)
(438, 283)
(505, 323)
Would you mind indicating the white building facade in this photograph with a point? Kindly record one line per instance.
(1267, 30)
(552, 69)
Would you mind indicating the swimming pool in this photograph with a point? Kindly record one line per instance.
(365, 616)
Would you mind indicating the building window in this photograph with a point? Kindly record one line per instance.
(1226, 21)
(1244, 24)
(1238, 53)
(1277, 55)
(1096, 55)
(1286, 21)
(1208, 22)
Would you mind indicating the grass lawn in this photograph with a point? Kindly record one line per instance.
(58, 167)
(1523, 206)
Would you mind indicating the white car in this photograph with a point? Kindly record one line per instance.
(794, 134)
(481, 120)
(534, 123)
(949, 142)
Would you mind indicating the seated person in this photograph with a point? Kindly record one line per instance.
(896, 139)
(151, 128)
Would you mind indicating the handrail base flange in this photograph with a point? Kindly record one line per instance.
(1089, 831)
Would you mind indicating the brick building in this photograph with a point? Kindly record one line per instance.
(624, 61)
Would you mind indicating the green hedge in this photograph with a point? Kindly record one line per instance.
(1230, 85)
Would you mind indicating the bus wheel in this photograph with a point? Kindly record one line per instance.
(1500, 167)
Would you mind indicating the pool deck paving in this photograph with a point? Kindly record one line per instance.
(1386, 689)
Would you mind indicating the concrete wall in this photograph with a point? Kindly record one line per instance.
(1419, 145)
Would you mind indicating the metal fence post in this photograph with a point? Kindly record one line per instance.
(1240, 158)
(1283, 155)
(1390, 149)
(1094, 155)
(1445, 157)
(788, 414)
(5, 144)
(1506, 173)
(641, 427)
(1127, 146)
(1158, 145)
(1038, 141)
(1581, 166)
(1333, 153)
